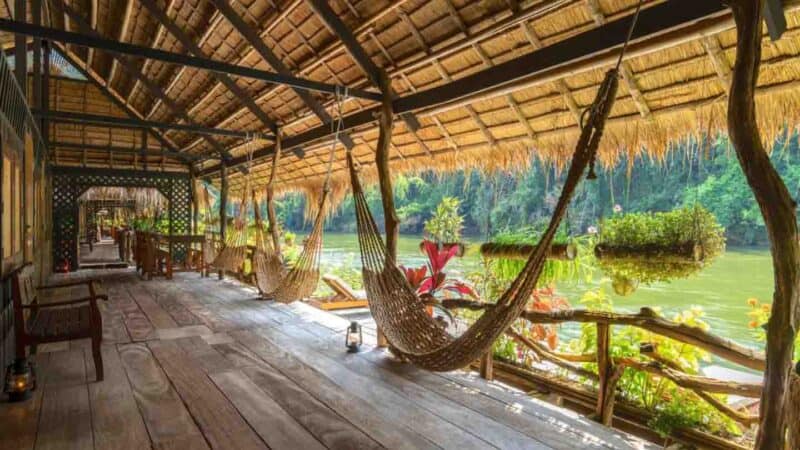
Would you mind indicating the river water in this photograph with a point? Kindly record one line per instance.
(721, 290)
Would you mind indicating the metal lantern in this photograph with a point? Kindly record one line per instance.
(353, 338)
(20, 380)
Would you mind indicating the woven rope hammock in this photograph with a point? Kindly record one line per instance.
(301, 281)
(267, 263)
(402, 316)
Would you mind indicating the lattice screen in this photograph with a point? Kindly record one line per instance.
(71, 183)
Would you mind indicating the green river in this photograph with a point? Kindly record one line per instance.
(722, 289)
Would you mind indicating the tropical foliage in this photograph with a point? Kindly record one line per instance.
(446, 223)
(431, 281)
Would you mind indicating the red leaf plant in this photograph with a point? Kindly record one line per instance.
(431, 280)
(546, 300)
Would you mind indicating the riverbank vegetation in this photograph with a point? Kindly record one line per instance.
(705, 172)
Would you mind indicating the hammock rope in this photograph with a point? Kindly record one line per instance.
(402, 316)
(301, 281)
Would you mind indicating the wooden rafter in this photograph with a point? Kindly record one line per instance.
(189, 44)
(375, 74)
(628, 77)
(252, 37)
(718, 60)
(152, 87)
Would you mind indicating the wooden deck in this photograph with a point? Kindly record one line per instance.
(197, 363)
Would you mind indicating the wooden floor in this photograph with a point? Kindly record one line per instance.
(102, 253)
(199, 363)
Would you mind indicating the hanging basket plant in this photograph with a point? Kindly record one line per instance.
(649, 247)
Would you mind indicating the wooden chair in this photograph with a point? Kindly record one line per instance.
(77, 318)
(344, 296)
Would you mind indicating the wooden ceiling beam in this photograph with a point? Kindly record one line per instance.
(628, 77)
(123, 48)
(112, 121)
(154, 90)
(659, 26)
(715, 54)
(252, 37)
(113, 96)
(185, 40)
(374, 73)
(123, 150)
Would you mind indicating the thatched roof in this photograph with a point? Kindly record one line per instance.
(669, 94)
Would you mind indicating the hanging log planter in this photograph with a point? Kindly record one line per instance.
(561, 252)
(462, 248)
(650, 247)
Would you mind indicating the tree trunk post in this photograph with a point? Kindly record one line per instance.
(223, 207)
(778, 209)
(793, 415)
(392, 227)
(271, 216)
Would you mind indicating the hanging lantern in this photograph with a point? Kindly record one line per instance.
(353, 338)
(20, 380)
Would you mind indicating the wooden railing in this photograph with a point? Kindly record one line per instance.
(604, 402)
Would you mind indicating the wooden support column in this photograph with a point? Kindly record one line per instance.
(195, 201)
(274, 230)
(223, 206)
(44, 127)
(778, 209)
(392, 225)
(608, 376)
(21, 47)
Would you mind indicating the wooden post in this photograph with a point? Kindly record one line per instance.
(487, 366)
(392, 225)
(778, 209)
(195, 200)
(609, 375)
(223, 206)
(274, 231)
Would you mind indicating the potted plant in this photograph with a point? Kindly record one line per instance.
(639, 248)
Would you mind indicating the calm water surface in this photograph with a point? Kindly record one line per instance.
(721, 289)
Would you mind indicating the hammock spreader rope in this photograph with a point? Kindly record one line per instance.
(401, 315)
(301, 281)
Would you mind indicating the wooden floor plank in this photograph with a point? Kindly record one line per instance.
(321, 421)
(360, 413)
(157, 316)
(117, 423)
(136, 322)
(167, 420)
(218, 419)
(542, 421)
(165, 294)
(400, 408)
(492, 431)
(66, 418)
(275, 426)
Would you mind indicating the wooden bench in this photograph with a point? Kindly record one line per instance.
(39, 323)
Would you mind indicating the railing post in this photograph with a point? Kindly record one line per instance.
(608, 375)
(487, 366)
